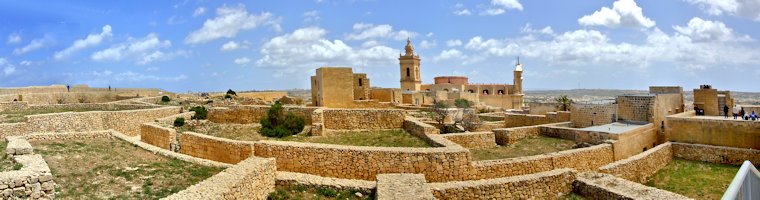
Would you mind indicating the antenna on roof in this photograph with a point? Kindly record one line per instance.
(518, 60)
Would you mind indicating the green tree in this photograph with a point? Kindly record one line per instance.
(564, 102)
(179, 121)
(200, 112)
(279, 124)
(230, 92)
(165, 99)
(462, 103)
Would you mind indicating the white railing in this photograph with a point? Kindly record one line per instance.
(746, 184)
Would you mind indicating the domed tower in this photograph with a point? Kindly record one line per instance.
(409, 69)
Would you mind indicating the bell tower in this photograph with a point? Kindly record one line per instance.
(409, 68)
(518, 77)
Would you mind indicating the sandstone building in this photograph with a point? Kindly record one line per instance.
(712, 101)
(338, 87)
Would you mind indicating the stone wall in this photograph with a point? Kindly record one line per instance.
(583, 159)
(639, 167)
(402, 186)
(592, 185)
(542, 108)
(711, 131)
(33, 180)
(64, 97)
(517, 120)
(33, 89)
(214, 148)
(544, 185)
(267, 96)
(253, 178)
(253, 114)
(127, 122)
(505, 136)
(157, 135)
(715, 154)
(585, 115)
(22, 106)
(635, 108)
(363, 119)
(472, 139)
(352, 162)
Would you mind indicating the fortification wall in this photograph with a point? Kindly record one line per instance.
(33, 89)
(157, 135)
(214, 148)
(253, 114)
(505, 136)
(544, 185)
(639, 167)
(363, 119)
(715, 154)
(267, 96)
(635, 141)
(438, 164)
(64, 97)
(517, 120)
(585, 115)
(635, 108)
(253, 178)
(472, 139)
(542, 108)
(711, 131)
(127, 122)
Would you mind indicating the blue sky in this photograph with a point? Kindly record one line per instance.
(194, 45)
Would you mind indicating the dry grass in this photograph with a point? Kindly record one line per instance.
(384, 138)
(18, 116)
(695, 179)
(303, 192)
(244, 132)
(525, 147)
(114, 169)
(6, 164)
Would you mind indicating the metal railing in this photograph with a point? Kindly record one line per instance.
(746, 184)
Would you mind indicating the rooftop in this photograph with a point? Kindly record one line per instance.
(614, 128)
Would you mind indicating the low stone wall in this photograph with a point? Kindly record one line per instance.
(127, 122)
(517, 120)
(363, 119)
(715, 154)
(505, 136)
(719, 132)
(592, 185)
(639, 167)
(288, 179)
(33, 181)
(583, 159)
(253, 114)
(63, 97)
(352, 162)
(253, 178)
(402, 186)
(544, 185)
(214, 148)
(472, 139)
(157, 135)
(9, 129)
(21, 106)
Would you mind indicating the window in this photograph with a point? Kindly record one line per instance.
(501, 92)
(407, 72)
(360, 82)
(485, 92)
(447, 90)
(471, 91)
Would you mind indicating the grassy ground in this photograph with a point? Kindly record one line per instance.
(699, 180)
(525, 147)
(245, 132)
(18, 116)
(303, 192)
(114, 169)
(385, 138)
(571, 196)
(6, 164)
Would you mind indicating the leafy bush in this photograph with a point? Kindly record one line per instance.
(227, 96)
(230, 92)
(179, 121)
(278, 124)
(200, 112)
(462, 103)
(327, 192)
(165, 99)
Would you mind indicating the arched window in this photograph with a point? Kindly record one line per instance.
(407, 72)
(427, 90)
(360, 82)
(501, 92)
(485, 92)
(471, 91)
(447, 90)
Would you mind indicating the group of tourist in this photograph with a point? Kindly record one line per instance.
(740, 113)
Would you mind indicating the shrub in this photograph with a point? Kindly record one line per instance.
(165, 99)
(17, 166)
(327, 192)
(227, 96)
(200, 112)
(230, 92)
(278, 124)
(471, 122)
(462, 103)
(179, 121)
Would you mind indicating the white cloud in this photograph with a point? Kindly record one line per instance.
(705, 30)
(462, 12)
(307, 48)
(227, 24)
(143, 50)
(749, 9)
(499, 7)
(25, 63)
(14, 38)
(174, 20)
(449, 54)
(199, 11)
(364, 31)
(8, 68)
(454, 43)
(624, 13)
(242, 61)
(311, 16)
(546, 30)
(33, 45)
(427, 44)
(230, 46)
(90, 41)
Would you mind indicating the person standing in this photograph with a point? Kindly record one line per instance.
(725, 111)
(736, 111)
(741, 113)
